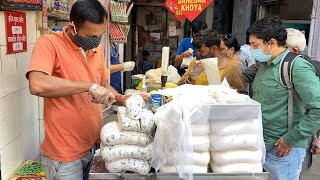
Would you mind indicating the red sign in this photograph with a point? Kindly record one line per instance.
(173, 9)
(16, 32)
(191, 8)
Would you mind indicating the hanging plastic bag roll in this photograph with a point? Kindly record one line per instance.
(212, 70)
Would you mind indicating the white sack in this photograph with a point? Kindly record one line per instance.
(147, 122)
(200, 143)
(128, 124)
(134, 165)
(172, 169)
(199, 159)
(134, 105)
(236, 156)
(237, 168)
(234, 141)
(117, 152)
(226, 127)
(135, 100)
(200, 129)
(112, 135)
(134, 112)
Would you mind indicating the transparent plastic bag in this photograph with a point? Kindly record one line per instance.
(173, 75)
(173, 137)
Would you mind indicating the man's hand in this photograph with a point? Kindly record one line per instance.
(315, 148)
(101, 95)
(186, 54)
(197, 69)
(128, 66)
(282, 148)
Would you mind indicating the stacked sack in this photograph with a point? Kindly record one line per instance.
(126, 145)
(200, 156)
(235, 146)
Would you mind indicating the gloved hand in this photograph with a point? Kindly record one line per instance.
(197, 69)
(101, 95)
(128, 66)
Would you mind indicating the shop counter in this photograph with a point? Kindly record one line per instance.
(99, 172)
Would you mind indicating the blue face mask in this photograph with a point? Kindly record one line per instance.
(259, 55)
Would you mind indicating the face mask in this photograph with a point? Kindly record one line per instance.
(86, 42)
(225, 55)
(209, 55)
(259, 55)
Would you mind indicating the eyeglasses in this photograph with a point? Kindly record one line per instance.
(223, 37)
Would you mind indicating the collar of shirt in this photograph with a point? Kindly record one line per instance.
(279, 57)
(69, 42)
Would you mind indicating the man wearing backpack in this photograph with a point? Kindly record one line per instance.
(285, 143)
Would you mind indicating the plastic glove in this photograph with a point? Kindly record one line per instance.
(101, 95)
(197, 69)
(128, 66)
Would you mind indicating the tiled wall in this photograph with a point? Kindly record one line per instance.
(20, 122)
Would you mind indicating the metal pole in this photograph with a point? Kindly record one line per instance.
(312, 26)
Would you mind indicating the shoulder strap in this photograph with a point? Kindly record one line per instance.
(285, 73)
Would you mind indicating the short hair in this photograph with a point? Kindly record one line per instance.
(87, 10)
(197, 26)
(296, 39)
(145, 53)
(231, 41)
(207, 37)
(268, 28)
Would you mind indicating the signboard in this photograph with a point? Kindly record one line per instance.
(16, 32)
(173, 9)
(191, 8)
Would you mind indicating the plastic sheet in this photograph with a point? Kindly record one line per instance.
(212, 70)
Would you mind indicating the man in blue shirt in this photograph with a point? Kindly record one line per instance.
(145, 63)
(116, 67)
(185, 44)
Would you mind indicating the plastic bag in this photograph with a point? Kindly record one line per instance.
(172, 136)
(174, 133)
(212, 70)
(154, 74)
(186, 61)
(173, 75)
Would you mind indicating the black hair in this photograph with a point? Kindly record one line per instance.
(231, 42)
(208, 37)
(87, 10)
(145, 53)
(247, 36)
(197, 26)
(268, 28)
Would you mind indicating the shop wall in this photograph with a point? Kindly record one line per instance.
(19, 114)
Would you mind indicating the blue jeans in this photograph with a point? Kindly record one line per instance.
(284, 168)
(75, 170)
